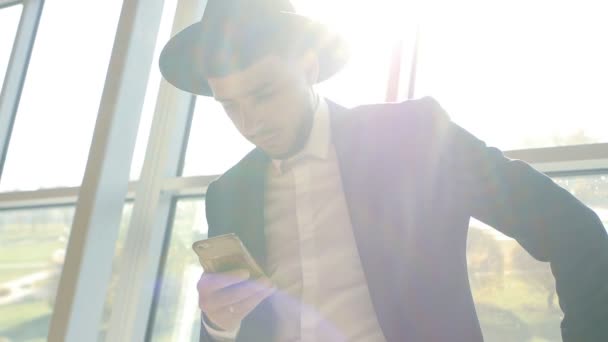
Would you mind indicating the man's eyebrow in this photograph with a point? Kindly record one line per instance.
(255, 91)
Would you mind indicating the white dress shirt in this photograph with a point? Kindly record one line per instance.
(312, 256)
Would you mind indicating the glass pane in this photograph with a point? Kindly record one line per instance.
(33, 248)
(515, 294)
(60, 101)
(177, 317)
(514, 74)
(215, 144)
(83, 73)
(9, 22)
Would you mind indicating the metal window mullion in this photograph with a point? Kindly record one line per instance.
(411, 90)
(16, 71)
(592, 166)
(9, 3)
(142, 254)
(194, 183)
(47, 197)
(88, 262)
(177, 186)
(567, 153)
(151, 211)
(394, 73)
(32, 199)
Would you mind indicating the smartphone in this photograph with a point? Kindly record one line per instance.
(226, 253)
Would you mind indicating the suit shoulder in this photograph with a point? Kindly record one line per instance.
(420, 109)
(424, 113)
(237, 173)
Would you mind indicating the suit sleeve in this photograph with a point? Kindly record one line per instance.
(209, 212)
(549, 222)
(207, 334)
(219, 335)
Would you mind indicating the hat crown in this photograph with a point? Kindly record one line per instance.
(224, 16)
(239, 8)
(232, 34)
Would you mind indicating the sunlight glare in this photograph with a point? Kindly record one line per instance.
(519, 74)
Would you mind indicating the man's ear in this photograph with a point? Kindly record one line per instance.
(310, 62)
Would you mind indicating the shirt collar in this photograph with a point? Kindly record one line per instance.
(317, 145)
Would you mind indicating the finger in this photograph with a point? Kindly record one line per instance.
(236, 293)
(231, 315)
(225, 322)
(245, 306)
(211, 282)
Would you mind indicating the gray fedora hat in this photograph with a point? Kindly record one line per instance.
(233, 33)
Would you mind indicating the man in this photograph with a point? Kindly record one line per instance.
(359, 216)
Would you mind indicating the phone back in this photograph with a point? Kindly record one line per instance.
(225, 253)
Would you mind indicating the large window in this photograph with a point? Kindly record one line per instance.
(519, 74)
(9, 21)
(49, 149)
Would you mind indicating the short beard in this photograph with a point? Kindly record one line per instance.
(304, 130)
(302, 137)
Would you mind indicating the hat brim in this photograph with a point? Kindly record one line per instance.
(180, 66)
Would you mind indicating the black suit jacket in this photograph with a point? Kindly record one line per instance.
(412, 180)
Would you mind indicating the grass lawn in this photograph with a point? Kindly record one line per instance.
(38, 250)
(14, 273)
(27, 321)
(27, 257)
(517, 311)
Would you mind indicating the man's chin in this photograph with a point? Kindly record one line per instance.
(284, 149)
(277, 153)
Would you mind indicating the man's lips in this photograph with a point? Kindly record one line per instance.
(263, 138)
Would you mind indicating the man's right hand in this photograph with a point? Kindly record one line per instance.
(226, 298)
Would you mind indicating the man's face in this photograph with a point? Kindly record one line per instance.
(270, 102)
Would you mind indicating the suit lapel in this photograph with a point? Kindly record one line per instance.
(361, 192)
(251, 205)
(260, 324)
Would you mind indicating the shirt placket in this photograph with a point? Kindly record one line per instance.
(310, 276)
